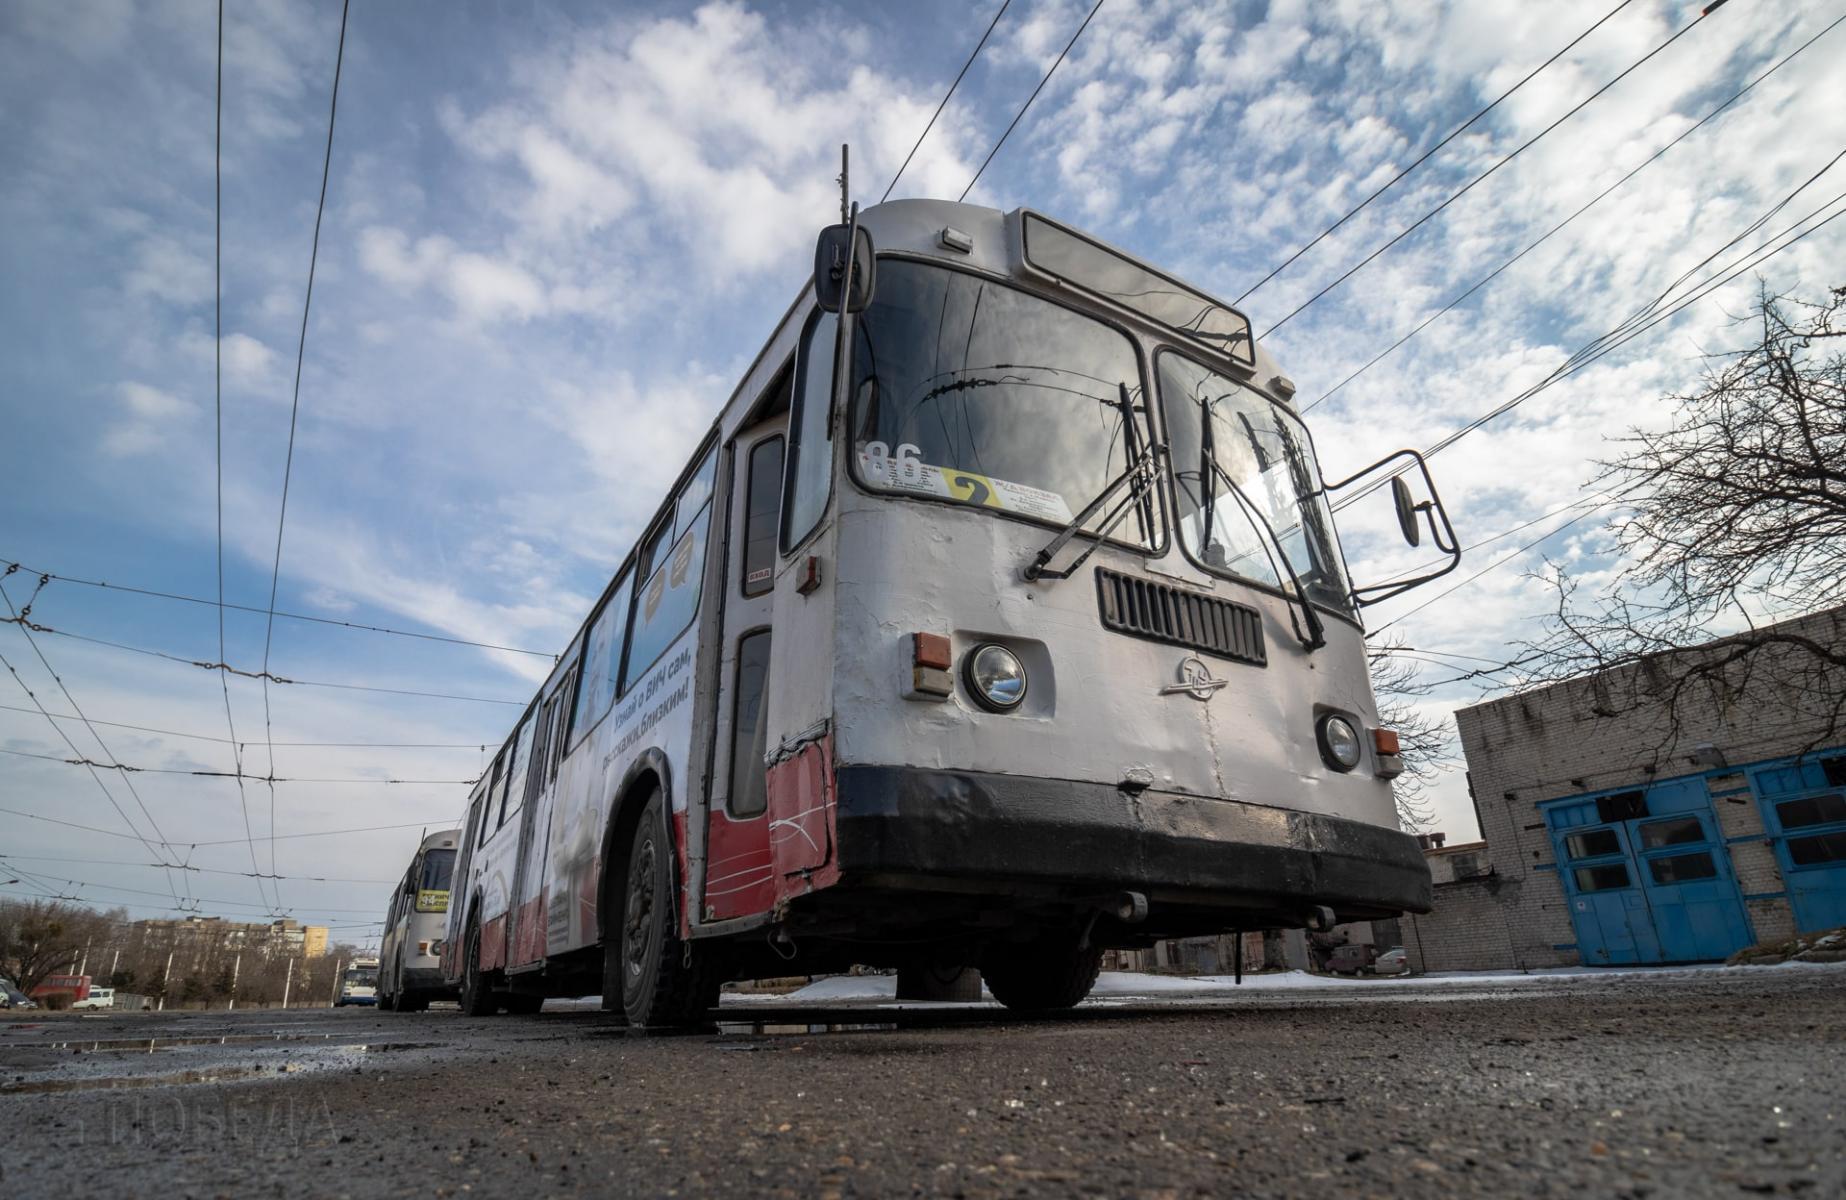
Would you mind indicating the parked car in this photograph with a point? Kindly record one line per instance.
(99, 997)
(1354, 958)
(1392, 962)
(12, 997)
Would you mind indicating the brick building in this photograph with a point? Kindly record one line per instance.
(1614, 833)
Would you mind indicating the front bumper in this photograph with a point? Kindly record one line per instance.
(425, 979)
(1002, 831)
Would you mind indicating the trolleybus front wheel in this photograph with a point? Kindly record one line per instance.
(661, 980)
(1052, 972)
(477, 999)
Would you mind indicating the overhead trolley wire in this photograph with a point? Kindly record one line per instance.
(291, 616)
(1546, 236)
(217, 841)
(1609, 341)
(1498, 563)
(206, 737)
(1470, 185)
(39, 627)
(1029, 99)
(204, 774)
(109, 887)
(121, 862)
(1427, 154)
(33, 696)
(294, 412)
(945, 101)
(224, 683)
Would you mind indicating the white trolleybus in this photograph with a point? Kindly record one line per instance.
(409, 973)
(1012, 629)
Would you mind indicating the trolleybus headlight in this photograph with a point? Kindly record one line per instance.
(995, 676)
(1339, 742)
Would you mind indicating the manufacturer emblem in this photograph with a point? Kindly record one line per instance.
(1195, 680)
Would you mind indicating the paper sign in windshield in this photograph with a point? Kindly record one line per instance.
(905, 471)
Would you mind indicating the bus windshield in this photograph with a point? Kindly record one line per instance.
(362, 977)
(438, 866)
(1247, 475)
(970, 391)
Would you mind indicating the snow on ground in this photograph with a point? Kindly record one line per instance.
(1113, 987)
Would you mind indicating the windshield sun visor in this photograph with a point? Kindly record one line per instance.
(1110, 275)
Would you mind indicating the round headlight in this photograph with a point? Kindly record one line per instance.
(1339, 742)
(995, 676)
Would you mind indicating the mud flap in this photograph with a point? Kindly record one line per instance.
(801, 809)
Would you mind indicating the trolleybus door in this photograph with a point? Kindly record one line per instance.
(526, 946)
(739, 876)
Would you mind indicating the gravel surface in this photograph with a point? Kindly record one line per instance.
(1712, 1083)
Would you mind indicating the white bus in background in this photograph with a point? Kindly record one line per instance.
(358, 983)
(409, 972)
(1013, 630)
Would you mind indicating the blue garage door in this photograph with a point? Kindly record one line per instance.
(1804, 812)
(1647, 876)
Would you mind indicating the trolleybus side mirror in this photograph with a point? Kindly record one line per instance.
(1406, 511)
(1412, 516)
(830, 269)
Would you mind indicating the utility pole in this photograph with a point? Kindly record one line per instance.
(337, 964)
(237, 964)
(112, 965)
(163, 983)
(287, 982)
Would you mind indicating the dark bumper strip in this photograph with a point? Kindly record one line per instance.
(967, 825)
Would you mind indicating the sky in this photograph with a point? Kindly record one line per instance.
(555, 236)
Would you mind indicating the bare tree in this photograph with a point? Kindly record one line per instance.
(1427, 747)
(43, 937)
(1742, 499)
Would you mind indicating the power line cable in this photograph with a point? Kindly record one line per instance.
(39, 627)
(33, 696)
(109, 887)
(224, 683)
(1029, 99)
(1426, 155)
(206, 737)
(291, 616)
(222, 841)
(288, 461)
(945, 101)
(1470, 185)
(127, 769)
(1602, 345)
(1497, 271)
(120, 862)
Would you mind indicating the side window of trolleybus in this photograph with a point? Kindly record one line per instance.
(602, 661)
(664, 605)
(1256, 475)
(969, 391)
(810, 471)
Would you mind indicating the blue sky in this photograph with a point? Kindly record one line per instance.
(554, 239)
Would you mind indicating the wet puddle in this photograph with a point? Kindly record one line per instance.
(783, 1029)
(83, 1073)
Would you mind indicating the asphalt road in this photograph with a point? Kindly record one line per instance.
(1717, 1083)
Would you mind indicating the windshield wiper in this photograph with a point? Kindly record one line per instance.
(1316, 636)
(1139, 477)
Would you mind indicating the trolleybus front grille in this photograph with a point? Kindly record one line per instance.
(1161, 613)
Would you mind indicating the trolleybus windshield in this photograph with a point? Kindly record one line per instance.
(973, 392)
(1255, 454)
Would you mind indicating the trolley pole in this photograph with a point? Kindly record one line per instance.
(287, 982)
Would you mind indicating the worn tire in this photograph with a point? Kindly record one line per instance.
(1048, 974)
(659, 980)
(477, 999)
